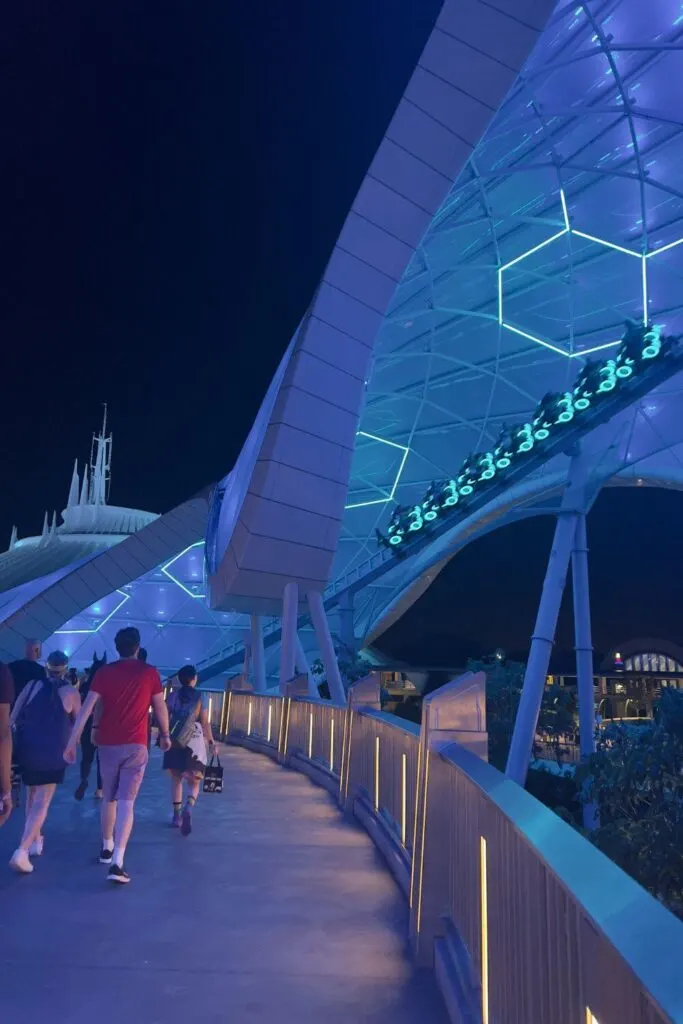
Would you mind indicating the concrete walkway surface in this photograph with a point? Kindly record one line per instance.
(274, 910)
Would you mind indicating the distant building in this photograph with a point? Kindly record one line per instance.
(88, 525)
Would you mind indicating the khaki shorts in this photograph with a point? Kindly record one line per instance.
(123, 769)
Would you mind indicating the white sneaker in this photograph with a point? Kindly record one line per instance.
(36, 847)
(21, 863)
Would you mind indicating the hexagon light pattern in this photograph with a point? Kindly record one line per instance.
(392, 492)
(566, 231)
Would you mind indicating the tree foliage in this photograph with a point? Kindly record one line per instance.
(352, 667)
(504, 680)
(635, 778)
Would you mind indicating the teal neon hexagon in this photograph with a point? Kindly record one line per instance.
(166, 571)
(390, 496)
(567, 229)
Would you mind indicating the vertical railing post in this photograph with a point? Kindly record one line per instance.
(455, 713)
(363, 694)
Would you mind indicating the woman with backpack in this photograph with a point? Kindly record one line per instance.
(42, 718)
(191, 737)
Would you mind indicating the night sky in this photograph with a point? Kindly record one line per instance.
(174, 176)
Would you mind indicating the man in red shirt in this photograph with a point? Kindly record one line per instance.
(6, 701)
(120, 695)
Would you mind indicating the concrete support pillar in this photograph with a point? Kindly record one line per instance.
(346, 631)
(290, 609)
(583, 643)
(543, 637)
(304, 669)
(583, 640)
(258, 653)
(327, 652)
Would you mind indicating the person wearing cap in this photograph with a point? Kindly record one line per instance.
(42, 717)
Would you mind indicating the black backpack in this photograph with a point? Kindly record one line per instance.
(42, 729)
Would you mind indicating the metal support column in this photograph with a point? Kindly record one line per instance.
(290, 610)
(327, 652)
(546, 622)
(304, 669)
(346, 631)
(258, 653)
(584, 654)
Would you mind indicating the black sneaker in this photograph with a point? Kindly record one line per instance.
(118, 875)
(106, 855)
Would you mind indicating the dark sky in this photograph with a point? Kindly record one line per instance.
(488, 594)
(173, 178)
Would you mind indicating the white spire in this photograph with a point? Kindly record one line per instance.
(74, 489)
(13, 538)
(53, 524)
(101, 465)
(84, 487)
(46, 527)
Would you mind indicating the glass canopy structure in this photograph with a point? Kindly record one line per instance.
(566, 220)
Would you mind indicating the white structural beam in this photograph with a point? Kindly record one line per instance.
(327, 651)
(258, 655)
(303, 668)
(573, 504)
(290, 602)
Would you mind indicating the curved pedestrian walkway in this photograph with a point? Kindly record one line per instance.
(274, 910)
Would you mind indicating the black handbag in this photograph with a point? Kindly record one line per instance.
(213, 777)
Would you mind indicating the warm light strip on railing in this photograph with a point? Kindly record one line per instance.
(210, 710)
(590, 1019)
(348, 755)
(332, 744)
(422, 848)
(376, 773)
(404, 773)
(343, 753)
(221, 727)
(485, 933)
(310, 736)
(270, 721)
(286, 711)
(417, 796)
(249, 721)
(283, 705)
(227, 717)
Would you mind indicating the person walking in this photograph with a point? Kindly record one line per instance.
(120, 695)
(42, 717)
(6, 701)
(191, 737)
(27, 669)
(89, 753)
